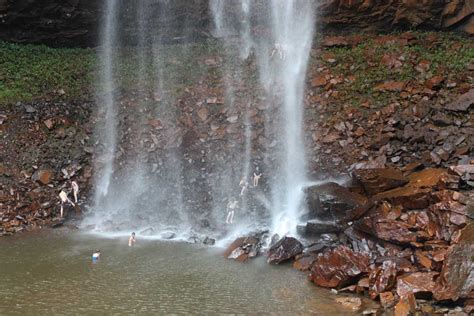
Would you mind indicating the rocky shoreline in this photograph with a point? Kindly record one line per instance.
(399, 236)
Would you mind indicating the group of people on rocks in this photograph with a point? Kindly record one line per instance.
(233, 203)
(63, 196)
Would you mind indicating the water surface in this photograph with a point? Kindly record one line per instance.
(51, 272)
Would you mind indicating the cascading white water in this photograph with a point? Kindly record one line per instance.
(161, 165)
(108, 132)
(282, 54)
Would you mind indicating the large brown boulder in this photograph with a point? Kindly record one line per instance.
(338, 267)
(331, 201)
(379, 179)
(457, 276)
(284, 249)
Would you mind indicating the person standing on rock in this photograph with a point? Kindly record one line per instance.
(64, 199)
(75, 190)
(231, 206)
(132, 240)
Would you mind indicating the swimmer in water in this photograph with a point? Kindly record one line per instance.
(132, 240)
(96, 255)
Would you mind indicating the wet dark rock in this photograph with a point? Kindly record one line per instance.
(243, 248)
(316, 227)
(285, 249)
(209, 241)
(167, 235)
(379, 180)
(331, 201)
(338, 267)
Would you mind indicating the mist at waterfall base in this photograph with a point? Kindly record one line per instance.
(156, 173)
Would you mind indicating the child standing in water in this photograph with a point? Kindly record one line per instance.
(132, 240)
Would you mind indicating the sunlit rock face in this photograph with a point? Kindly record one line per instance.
(77, 22)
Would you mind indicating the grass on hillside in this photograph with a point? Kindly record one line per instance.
(29, 72)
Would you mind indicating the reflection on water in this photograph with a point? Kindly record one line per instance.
(52, 273)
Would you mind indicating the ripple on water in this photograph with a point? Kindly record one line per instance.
(52, 273)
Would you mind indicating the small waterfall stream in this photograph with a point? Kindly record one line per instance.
(170, 160)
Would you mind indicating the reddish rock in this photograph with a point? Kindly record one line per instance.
(338, 267)
(402, 308)
(283, 250)
(335, 41)
(242, 249)
(416, 282)
(43, 176)
(304, 262)
(319, 81)
(390, 86)
(49, 123)
(457, 275)
(408, 197)
(434, 82)
(379, 180)
(382, 279)
(387, 300)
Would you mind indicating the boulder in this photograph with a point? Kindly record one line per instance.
(304, 262)
(285, 249)
(338, 267)
(315, 227)
(408, 197)
(457, 275)
(243, 248)
(379, 180)
(331, 201)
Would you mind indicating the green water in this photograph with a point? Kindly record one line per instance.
(51, 272)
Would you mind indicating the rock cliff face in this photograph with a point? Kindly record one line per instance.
(76, 22)
(386, 15)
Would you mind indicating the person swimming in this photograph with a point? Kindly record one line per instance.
(132, 240)
(96, 255)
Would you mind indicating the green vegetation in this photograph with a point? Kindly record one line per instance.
(30, 72)
(386, 57)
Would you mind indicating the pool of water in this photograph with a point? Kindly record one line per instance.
(51, 272)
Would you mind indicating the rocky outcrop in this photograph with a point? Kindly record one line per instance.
(77, 22)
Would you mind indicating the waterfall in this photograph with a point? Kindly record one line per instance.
(282, 52)
(183, 120)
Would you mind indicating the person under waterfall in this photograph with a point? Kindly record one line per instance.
(132, 240)
(75, 190)
(256, 178)
(231, 207)
(64, 199)
(244, 185)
